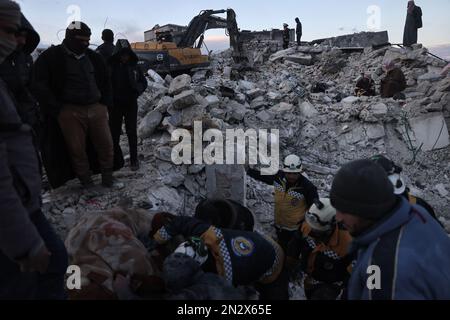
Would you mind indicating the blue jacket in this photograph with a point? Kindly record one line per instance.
(414, 262)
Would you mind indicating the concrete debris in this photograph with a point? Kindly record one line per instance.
(184, 99)
(180, 84)
(429, 132)
(149, 124)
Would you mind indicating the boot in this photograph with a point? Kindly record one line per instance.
(107, 178)
(86, 181)
(134, 165)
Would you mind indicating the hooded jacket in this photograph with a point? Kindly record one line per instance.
(16, 72)
(128, 81)
(412, 253)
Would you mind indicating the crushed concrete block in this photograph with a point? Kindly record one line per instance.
(163, 104)
(184, 99)
(237, 111)
(252, 94)
(180, 84)
(282, 54)
(442, 190)
(213, 101)
(264, 116)
(246, 85)
(350, 100)
(154, 76)
(149, 124)
(310, 131)
(308, 110)
(430, 77)
(430, 131)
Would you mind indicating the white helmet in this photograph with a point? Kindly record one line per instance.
(324, 219)
(398, 183)
(195, 250)
(292, 164)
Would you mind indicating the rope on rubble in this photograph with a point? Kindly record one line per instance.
(415, 151)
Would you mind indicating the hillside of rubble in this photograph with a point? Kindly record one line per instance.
(307, 94)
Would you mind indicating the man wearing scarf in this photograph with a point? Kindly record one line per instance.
(413, 22)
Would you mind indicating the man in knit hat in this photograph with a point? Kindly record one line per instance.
(33, 260)
(402, 252)
(73, 87)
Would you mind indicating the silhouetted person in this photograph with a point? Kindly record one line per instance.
(413, 22)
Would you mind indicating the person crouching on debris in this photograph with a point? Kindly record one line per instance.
(402, 251)
(128, 84)
(294, 195)
(394, 82)
(394, 174)
(365, 86)
(320, 249)
(241, 257)
(286, 36)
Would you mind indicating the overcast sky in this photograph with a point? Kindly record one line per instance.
(320, 18)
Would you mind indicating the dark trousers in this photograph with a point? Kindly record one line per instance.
(285, 44)
(16, 285)
(125, 111)
(277, 290)
(299, 39)
(284, 237)
(79, 122)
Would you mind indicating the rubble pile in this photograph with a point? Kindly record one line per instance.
(307, 94)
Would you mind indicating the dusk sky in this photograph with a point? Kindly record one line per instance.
(320, 18)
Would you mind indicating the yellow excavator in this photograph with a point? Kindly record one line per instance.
(167, 56)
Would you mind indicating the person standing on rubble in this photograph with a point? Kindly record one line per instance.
(402, 252)
(128, 83)
(286, 36)
(73, 87)
(107, 48)
(241, 257)
(33, 259)
(320, 249)
(412, 24)
(298, 31)
(294, 195)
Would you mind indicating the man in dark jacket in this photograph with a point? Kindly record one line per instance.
(413, 22)
(16, 72)
(294, 195)
(128, 84)
(286, 36)
(107, 48)
(298, 31)
(241, 257)
(394, 82)
(365, 86)
(402, 252)
(73, 87)
(33, 260)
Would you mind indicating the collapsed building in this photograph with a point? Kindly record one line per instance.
(326, 128)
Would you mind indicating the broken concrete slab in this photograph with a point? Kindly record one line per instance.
(180, 84)
(282, 54)
(191, 114)
(303, 59)
(149, 124)
(307, 110)
(430, 77)
(226, 181)
(246, 85)
(442, 190)
(374, 131)
(154, 76)
(237, 111)
(310, 131)
(165, 199)
(184, 99)
(350, 100)
(258, 103)
(163, 104)
(430, 131)
(264, 116)
(252, 94)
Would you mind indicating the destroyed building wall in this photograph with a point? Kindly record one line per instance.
(274, 34)
(361, 39)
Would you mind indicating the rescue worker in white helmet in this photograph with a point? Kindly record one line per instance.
(319, 251)
(394, 174)
(294, 195)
